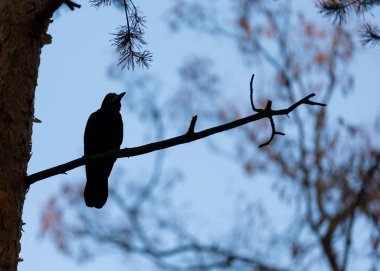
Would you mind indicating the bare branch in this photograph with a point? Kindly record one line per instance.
(185, 138)
(52, 5)
(255, 109)
(274, 132)
(268, 108)
(49, 9)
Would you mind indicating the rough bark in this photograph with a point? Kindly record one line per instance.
(21, 39)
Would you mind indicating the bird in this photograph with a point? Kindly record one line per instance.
(103, 132)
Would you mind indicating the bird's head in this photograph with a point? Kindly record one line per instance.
(112, 101)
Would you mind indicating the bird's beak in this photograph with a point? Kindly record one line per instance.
(119, 97)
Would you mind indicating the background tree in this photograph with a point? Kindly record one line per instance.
(325, 171)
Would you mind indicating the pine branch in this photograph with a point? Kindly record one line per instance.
(129, 39)
(334, 9)
(339, 9)
(370, 34)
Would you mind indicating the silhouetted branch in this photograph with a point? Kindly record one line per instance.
(273, 126)
(49, 9)
(52, 5)
(251, 94)
(185, 138)
(72, 5)
(267, 108)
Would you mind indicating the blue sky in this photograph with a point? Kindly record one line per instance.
(73, 81)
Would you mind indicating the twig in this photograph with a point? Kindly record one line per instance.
(268, 109)
(192, 125)
(272, 124)
(251, 95)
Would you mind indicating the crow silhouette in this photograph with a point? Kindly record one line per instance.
(104, 132)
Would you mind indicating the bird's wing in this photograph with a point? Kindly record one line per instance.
(119, 132)
(89, 132)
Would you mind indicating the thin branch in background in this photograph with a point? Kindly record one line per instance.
(129, 39)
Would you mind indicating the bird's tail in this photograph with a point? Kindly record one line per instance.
(96, 190)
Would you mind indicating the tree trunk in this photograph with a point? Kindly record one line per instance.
(21, 40)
